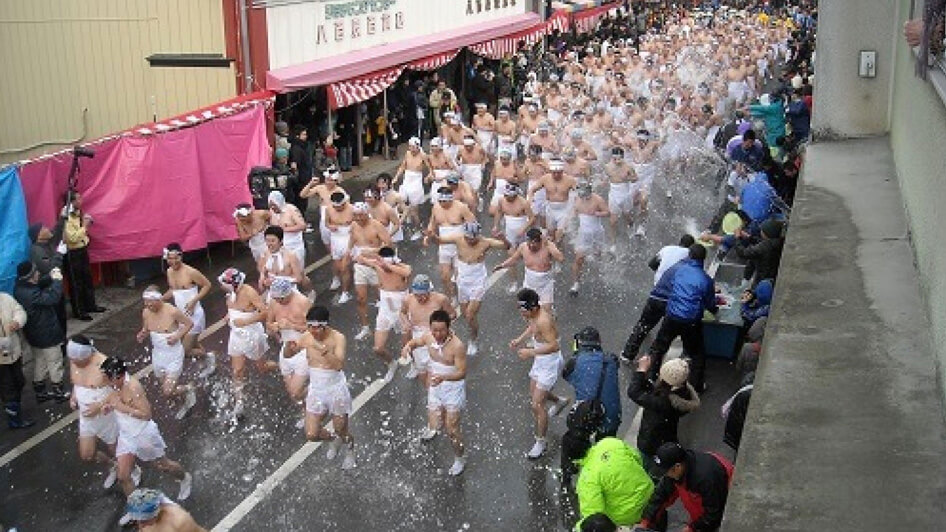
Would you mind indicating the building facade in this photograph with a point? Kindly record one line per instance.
(78, 70)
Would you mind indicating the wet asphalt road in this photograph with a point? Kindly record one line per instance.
(399, 484)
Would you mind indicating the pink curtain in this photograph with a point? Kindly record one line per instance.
(146, 191)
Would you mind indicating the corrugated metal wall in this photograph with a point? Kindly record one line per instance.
(58, 57)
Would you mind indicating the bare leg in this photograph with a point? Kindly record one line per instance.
(446, 274)
(361, 299)
(453, 431)
(380, 346)
(126, 463)
(313, 428)
(539, 397)
(238, 364)
(470, 312)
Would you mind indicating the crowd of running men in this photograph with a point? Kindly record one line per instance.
(568, 172)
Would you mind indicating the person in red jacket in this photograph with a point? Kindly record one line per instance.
(699, 479)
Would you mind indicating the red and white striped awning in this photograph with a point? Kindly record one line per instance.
(506, 46)
(352, 91)
(586, 21)
(434, 62)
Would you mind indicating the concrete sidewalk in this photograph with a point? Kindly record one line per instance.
(846, 429)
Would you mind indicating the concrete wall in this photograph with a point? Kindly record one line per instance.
(847, 105)
(918, 137)
(60, 57)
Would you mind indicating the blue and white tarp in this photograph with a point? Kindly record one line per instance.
(14, 241)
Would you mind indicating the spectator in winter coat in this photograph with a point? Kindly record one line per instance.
(43, 330)
(799, 117)
(691, 294)
(664, 403)
(656, 306)
(763, 257)
(700, 480)
(771, 111)
(45, 255)
(584, 371)
(734, 412)
(756, 302)
(613, 482)
(12, 320)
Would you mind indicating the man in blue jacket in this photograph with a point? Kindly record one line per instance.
(590, 380)
(691, 293)
(39, 297)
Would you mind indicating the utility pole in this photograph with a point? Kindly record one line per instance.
(245, 49)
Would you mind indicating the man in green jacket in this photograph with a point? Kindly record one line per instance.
(613, 482)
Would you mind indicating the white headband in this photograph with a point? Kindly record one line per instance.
(242, 211)
(165, 253)
(151, 295)
(76, 351)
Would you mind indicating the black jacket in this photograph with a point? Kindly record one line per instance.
(40, 302)
(766, 256)
(703, 492)
(662, 413)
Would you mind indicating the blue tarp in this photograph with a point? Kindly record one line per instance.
(14, 241)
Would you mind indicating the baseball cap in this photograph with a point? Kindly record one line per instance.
(669, 455)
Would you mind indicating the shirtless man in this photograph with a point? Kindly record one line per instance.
(528, 124)
(367, 234)
(292, 222)
(517, 218)
(532, 170)
(324, 191)
(446, 395)
(246, 313)
(395, 201)
(447, 218)
(392, 276)
(153, 511)
(250, 224)
(558, 187)
(622, 186)
(452, 135)
(506, 131)
(412, 189)
(472, 273)
(738, 87)
(462, 191)
(591, 210)
(380, 210)
(441, 166)
(575, 166)
(645, 167)
(186, 287)
(537, 254)
(138, 435)
(278, 262)
(516, 214)
(167, 326)
(473, 159)
(581, 146)
(542, 332)
(415, 316)
(504, 172)
(338, 221)
(485, 126)
(91, 387)
(286, 320)
(543, 138)
(323, 349)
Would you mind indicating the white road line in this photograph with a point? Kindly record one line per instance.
(266, 487)
(38, 438)
(263, 489)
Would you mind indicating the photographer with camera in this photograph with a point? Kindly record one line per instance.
(77, 268)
